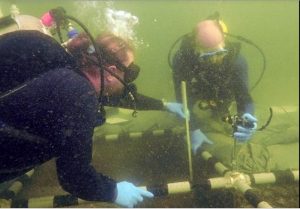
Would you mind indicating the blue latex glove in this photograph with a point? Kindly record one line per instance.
(129, 195)
(242, 133)
(176, 108)
(198, 138)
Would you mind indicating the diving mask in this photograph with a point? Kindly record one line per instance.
(213, 56)
(130, 73)
(217, 52)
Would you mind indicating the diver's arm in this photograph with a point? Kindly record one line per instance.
(131, 99)
(144, 102)
(80, 179)
(141, 102)
(240, 85)
(75, 172)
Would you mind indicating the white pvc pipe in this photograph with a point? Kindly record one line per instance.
(242, 186)
(41, 202)
(296, 175)
(220, 182)
(206, 155)
(179, 187)
(264, 204)
(158, 132)
(47, 202)
(18, 185)
(264, 178)
(134, 135)
(111, 137)
(219, 167)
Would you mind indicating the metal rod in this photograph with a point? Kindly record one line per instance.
(188, 141)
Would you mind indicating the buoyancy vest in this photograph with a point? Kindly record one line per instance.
(210, 83)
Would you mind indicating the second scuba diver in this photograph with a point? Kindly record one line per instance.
(216, 74)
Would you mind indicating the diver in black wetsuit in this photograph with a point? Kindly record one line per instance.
(60, 107)
(216, 74)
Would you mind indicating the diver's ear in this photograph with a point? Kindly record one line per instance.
(113, 69)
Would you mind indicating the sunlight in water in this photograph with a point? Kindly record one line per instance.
(119, 22)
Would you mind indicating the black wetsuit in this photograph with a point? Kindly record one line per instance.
(216, 86)
(59, 105)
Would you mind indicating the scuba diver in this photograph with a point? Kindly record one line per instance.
(49, 106)
(216, 74)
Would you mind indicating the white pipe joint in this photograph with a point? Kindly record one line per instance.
(231, 179)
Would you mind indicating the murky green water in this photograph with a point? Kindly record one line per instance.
(272, 25)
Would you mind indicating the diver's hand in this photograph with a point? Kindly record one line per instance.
(244, 133)
(176, 108)
(198, 138)
(129, 195)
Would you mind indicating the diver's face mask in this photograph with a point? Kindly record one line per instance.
(214, 56)
(130, 73)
